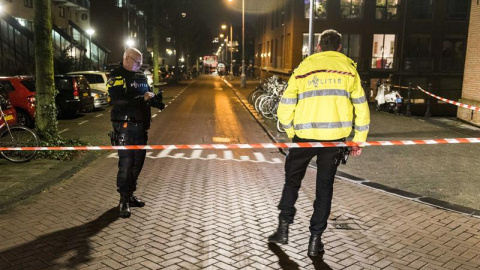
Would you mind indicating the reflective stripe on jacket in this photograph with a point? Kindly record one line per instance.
(319, 100)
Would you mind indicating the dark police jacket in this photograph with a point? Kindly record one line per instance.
(126, 89)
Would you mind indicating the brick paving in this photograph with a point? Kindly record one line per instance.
(216, 214)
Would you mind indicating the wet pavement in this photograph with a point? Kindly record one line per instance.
(214, 209)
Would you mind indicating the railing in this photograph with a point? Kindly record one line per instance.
(74, 3)
(452, 64)
(418, 64)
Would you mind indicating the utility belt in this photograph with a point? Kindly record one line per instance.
(344, 152)
(125, 118)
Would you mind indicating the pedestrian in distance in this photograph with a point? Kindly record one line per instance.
(323, 96)
(131, 115)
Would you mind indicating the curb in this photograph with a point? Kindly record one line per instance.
(360, 181)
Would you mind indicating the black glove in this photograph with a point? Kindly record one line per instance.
(156, 101)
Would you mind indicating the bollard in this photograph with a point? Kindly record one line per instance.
(428, 112)
(409, 100)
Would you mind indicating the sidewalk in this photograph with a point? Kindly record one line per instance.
(21, 181)
(442, 175)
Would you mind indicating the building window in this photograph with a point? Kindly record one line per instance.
(457, 9)
(386, 9)
(169, 39)
(421, 9)
(84, 17)
(351, 46)
(383, 51)
(270, 53)
(453, 54)
(28, 3)
(305, 44)
(61, 12)
(319, 9)
(351, 9)
(418, 53)
(121, 3)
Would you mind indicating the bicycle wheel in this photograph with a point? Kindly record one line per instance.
(19, 136)
(280, 127)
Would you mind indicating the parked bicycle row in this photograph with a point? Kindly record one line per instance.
(266, 98)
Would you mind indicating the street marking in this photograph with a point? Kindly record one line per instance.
(155, 115)
(60, 132)
(83, 122)
(196, 153)
(98, 115)
(227, 155)
(245, 158)
(260, 157)
(164, 153)
(179, 155)
(212, 156)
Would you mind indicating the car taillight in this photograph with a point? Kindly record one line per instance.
(76, 94)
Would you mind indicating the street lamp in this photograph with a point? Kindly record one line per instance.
(129, 43)
(90, 32)
(243, 77)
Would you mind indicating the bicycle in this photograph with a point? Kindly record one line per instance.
(16, 136)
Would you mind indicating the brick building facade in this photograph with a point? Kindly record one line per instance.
(471, 80)
(418, 41)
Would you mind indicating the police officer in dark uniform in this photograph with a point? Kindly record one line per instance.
(131, 98)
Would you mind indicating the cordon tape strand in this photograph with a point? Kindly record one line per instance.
(471, 107)
(248, 146)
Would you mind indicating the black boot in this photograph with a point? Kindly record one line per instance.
(281, 235)
(124, 205)
(135, 202)
(315, 245)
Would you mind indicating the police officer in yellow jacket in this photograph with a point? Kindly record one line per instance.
(130, 116)
(323, 97)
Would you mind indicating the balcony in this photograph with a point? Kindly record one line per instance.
(418, 64)
(80, 4)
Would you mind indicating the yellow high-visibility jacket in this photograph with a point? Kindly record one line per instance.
(320, 99)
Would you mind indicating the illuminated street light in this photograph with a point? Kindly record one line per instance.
(222, 35)
(224, 26)
(90, 32)
(243, 77)
(130, 43)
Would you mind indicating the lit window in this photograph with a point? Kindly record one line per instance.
(169, 39)
(61, 12)
(319, 9)
(121, 3)
(386, 9)
(305, 44)
(351, 9)
(383, 51)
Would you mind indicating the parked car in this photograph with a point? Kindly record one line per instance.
(96, 79)
(21, 90)
(101, 99)
(149, 74)
(7, 108)
(73, 95)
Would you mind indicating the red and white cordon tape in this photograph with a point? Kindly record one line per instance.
(471, 107)
(248, 146)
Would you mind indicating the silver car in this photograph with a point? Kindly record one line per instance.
(101, 99)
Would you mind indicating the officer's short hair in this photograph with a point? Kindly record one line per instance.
(329, 40)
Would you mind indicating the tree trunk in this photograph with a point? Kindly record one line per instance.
(46, 116)
(156, 44)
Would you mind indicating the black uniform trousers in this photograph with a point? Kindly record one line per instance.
(130, 161)
(295, 167)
